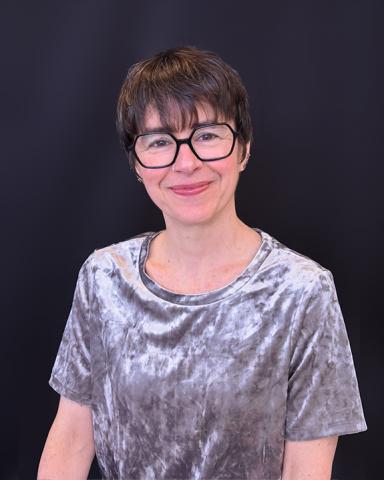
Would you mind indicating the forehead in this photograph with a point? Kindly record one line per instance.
(174, 119)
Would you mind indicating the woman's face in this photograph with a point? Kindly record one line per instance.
(191, 191)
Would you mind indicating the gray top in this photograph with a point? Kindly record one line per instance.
(206, 386)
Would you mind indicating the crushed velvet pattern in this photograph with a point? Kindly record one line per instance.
(206, 386)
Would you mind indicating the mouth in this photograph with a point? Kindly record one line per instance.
(190, 189)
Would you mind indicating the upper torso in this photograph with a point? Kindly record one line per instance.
(197, 386)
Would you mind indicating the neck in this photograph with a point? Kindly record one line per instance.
(201, 247)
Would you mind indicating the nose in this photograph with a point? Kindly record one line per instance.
(186, 161)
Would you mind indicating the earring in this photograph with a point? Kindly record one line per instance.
(139, 179)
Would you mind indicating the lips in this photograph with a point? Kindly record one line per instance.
(190, 188)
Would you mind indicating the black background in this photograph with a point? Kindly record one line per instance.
(314, 72)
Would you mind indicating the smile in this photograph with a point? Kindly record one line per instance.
(190, 189)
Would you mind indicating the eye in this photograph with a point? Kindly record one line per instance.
(159, 143)
(206, 136)
(154, 142)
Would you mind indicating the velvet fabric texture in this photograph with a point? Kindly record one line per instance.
(206, 386)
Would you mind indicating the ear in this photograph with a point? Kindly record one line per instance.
(247, 154)
(137, 170)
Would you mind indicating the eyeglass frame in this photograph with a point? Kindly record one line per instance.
(181, 141)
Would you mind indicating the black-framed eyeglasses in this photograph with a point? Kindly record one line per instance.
(209, 142)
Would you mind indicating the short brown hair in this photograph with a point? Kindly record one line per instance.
(181, 78)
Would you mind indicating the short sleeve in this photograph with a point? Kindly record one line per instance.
(71, 373)
(323, 395)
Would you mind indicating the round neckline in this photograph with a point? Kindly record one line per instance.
(211, 296)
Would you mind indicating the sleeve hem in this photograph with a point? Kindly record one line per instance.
(330, 432)
(67, 392)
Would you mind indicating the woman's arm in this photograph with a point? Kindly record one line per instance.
(309, 460)
(69, 449)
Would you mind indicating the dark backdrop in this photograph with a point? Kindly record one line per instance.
(315, 76)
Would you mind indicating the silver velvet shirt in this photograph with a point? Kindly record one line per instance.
(206, 386)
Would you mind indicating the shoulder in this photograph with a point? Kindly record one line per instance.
(121, 254)
(296, 270)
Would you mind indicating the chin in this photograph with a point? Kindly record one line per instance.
(190, 217)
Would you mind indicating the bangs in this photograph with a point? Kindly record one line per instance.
(177, 114)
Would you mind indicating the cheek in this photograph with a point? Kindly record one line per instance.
(228, 171)
(152, 182)
(150, 186)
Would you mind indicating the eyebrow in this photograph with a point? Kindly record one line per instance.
(165, 130)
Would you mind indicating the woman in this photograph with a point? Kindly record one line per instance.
(207, 350)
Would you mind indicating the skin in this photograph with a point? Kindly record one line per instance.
(203, 235)
(69, 448)
(203, 232)
(309, 460)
